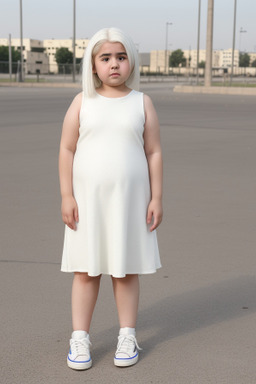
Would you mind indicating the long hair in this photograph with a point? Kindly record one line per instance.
(91, 81)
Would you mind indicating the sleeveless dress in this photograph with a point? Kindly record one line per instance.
(111, 187)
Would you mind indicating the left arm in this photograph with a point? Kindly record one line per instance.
(153, 153)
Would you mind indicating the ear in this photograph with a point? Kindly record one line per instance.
(94, 69)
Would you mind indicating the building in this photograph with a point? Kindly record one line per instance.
(52, 45)
(34, 57)
(225, 60)
(158, 61)
(144, 61)
(39, 56)
(252, 57)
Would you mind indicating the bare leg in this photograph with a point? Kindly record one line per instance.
(126, 291)
(84, 296)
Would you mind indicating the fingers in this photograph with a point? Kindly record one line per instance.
(156, 222)
(71, 219)
(76, 216)
(149, 216)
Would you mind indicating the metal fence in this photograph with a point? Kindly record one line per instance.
(44, 69)
(64, 72)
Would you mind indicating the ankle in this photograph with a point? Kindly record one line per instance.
(78, 335)
(127, 331)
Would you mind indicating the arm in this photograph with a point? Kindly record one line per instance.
(69, 137)
(153, 153)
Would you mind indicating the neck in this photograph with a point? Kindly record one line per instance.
(118, 91)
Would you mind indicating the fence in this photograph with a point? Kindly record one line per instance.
(64, 72)
(37, 67)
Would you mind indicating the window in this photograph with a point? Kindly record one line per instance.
(37, 49)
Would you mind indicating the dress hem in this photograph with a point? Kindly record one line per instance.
(111, 274)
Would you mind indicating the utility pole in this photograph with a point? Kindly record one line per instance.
(74, 41)
(209, 40)
(10, 57)
(234, 39)
(198, 41)
(21, 45)
(166, 50)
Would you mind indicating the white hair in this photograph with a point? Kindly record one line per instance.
(90, 80)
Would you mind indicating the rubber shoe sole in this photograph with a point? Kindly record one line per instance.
(79, 366)
(126, 362)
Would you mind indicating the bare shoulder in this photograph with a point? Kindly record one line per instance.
(75, 106)
(147, 101)
(77, 101)
(149, 107)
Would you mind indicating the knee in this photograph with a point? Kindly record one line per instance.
(84, 278)
(124, 280)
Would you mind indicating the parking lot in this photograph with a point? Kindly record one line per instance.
(197, 315)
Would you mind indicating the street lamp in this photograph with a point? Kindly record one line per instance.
(74, 41)
(166, 48)
(21, 45)
(240, 36)
(233, 47)
(198, 42)
(209, 41)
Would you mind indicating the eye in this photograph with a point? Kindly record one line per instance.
(106, 59)
(122, 58)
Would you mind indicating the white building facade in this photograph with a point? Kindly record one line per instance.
(34, 57)
(51, 46)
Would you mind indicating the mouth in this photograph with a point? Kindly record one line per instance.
(114, 74)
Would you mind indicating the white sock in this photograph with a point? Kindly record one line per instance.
(78, 335)
(127, 331)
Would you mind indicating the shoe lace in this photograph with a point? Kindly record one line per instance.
(126, 342)
(81, 347)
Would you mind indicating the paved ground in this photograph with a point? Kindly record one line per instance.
(197, 318)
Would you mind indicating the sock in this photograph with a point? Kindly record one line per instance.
(127, 331)
(78, 335)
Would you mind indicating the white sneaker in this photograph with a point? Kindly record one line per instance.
(79, 354)
(127, 351)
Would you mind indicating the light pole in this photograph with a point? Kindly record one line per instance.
(21, 45)
(234, 39)
(74, 41)
(209, 39)
(240, 37)
(166, 49)
(198, 42)
(10, 57)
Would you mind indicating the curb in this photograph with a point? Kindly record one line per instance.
(215, 90)
(41, 85)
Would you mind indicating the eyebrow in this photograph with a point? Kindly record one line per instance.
(109, 54)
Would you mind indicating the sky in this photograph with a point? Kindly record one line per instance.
(144, 20)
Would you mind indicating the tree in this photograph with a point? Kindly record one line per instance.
(201, 64)
(244, 60)
(177, 58)
(4, 54)
(4, 58)
(253, 63)
(64, 56)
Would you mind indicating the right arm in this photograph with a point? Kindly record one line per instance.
(69, 137)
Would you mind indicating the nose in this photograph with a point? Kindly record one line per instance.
(114, 64)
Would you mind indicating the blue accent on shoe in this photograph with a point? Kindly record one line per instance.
(77, 362)
(126, 358)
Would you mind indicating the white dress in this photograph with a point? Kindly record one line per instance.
(112, 190)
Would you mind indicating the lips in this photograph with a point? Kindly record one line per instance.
(115, 74)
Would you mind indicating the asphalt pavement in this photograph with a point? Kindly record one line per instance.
(197, 314)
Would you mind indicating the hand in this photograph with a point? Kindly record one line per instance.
(69, 210)
(155, 212)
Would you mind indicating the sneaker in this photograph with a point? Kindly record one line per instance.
(127, 351)
(79, 354)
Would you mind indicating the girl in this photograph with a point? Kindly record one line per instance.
(110, 167)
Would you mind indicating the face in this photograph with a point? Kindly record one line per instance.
(111, 64)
